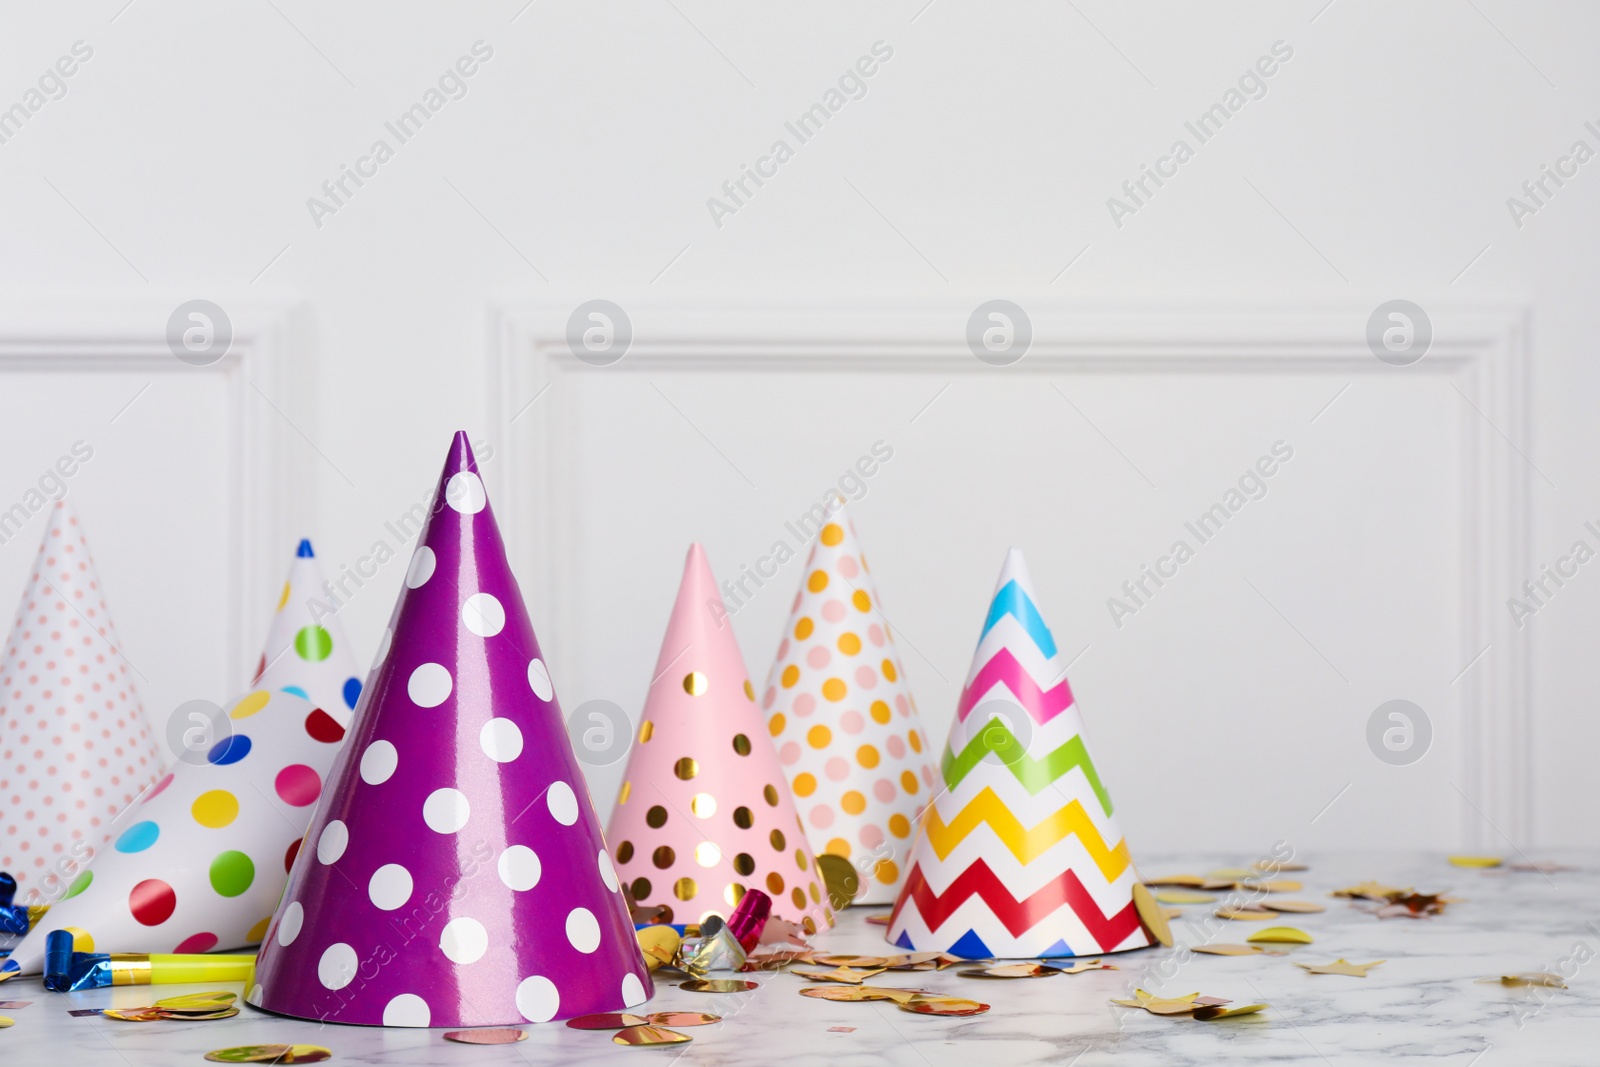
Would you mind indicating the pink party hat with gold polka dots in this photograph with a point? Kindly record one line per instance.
(75, 747)
(705, 812)
(844, 722)
(454, 874)
(199, 861)
(306, 652)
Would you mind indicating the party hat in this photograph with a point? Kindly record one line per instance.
(199, 861)
(306, 652)
(1019, 856)
(454, 874)
(846, 726)
(705, 810)
(75, 748)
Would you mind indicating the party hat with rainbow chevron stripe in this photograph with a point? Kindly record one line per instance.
(1020, 855)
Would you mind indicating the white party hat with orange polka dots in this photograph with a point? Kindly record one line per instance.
(454, 874)
(306, 652)
(844, 722)
(199, 861)
(75, 747)
(705, 811)
(1019, 855)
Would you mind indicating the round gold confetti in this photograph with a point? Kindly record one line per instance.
(695, 683)
(683, 1018)
(742, 818)
(625, 852)
(648, 1036)
(663, 856)
(6, 1020)
(719, 985)
(656, 817)
(771, 795)
(936, 1005)
(1301, 907)
(607, 1020)
(250, 1054)
(704, 805)
(741, 744)
(1152, 915)
(685, 889)
(502, 1035)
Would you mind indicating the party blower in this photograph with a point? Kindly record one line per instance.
(454, 874)
(844, 720)
(1019, 856)
(77, 747)
(705, 812)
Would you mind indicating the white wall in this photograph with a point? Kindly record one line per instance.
(978, 165)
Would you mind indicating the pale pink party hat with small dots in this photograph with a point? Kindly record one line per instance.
(705, 812)
(845, 722)
(454, 874)
(75, 747)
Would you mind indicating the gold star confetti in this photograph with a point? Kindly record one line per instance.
(1340, 966)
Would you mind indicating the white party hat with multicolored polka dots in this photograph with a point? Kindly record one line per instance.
(844, 721)
(75, 747)
(306, 652)
(454, 874)
(199, 861)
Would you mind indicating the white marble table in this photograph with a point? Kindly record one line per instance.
(1422, 1006)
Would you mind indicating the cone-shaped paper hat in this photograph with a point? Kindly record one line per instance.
(306, 652)
(705, 810)
(454, 874)
(75, 749)
(846, 726)
(1019, 855)
(199, 861)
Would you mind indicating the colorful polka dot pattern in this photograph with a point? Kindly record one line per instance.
(198, 859)
(454, 874)
(705, 813)
(843, 720)
(75, 747)
(306, 652)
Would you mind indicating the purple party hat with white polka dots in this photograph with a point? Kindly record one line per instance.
(454, 873)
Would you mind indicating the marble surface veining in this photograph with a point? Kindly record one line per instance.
(1422, 1006)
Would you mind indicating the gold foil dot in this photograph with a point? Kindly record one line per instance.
(704, 805)
(742, 818)
(749, 690)
(707, 854)
(733, 894)
(809, 925)
(647, 730)
(777, 839)
(816, 896)
(666, 912)
(640, 888)
(627, 791)
(695, 683)
(656, 817)
(799, 897)
(800, 858)
(686, 768)
(745, 864)
(771, 793)
(625, 852)
(663, 856)
(774, 883)
(685, 889)
(741, 744)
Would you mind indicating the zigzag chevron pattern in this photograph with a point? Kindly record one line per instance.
(1026, 844)
(1034, 774)
(1011, 600)
(1017, 916)
(1042, 704)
